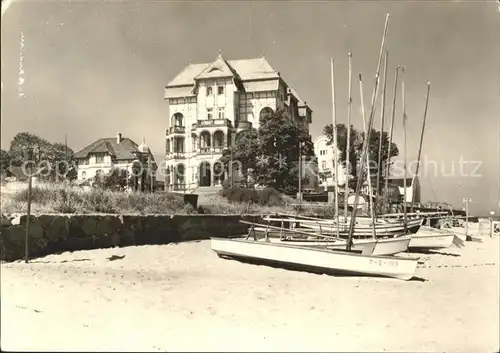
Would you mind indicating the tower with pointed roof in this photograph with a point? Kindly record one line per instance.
(208, 104)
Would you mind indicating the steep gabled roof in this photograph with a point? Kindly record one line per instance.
(246, 69)
(218, 69)
(121, 151)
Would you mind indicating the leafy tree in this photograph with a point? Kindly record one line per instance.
(54, 160)
(271, 153)
(268, 153)
(5, 160)
(356, 149)
(117, 179)
(22, 142)
(244, 155)
(279, 141)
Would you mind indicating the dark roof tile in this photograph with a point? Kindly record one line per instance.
(121, 151)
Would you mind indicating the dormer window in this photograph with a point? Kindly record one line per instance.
(99, 158)
(220, 90)
(209, 91)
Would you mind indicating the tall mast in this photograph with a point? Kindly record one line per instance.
(370, 201)
(404, 146)
(388, 164)
(348, 148)
(335, 169)
(365, 144)
(382, 118)
(420, 146)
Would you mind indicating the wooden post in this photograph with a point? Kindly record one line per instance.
(404, 152)
(466, 201)
(387, 166)
(365, 145)
(347, 156)
(370, 192)
(382, 118)
(335, 169)
(420, 147)
(299, 196)
(491, 223)
(29, 159)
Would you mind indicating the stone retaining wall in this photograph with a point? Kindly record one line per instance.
(57, 233)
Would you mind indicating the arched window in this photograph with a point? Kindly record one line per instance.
(205, 174)
(180, 173)
(205, 141)
(177, 120)
(218, 139)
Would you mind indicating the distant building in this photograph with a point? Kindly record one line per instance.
(412, 188)
(324, 155)
(103, 155)
(209, 104)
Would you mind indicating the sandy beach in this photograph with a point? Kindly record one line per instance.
(184, 298)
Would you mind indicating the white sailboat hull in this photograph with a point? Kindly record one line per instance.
(337, 262)
(431, 238)
(460, 233)
(391, 246)
(379, 247)
(364, 229)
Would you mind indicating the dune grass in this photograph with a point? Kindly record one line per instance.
(50, 198)
(60, 198)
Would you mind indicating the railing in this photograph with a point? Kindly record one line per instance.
(176, 130)
(244, 125)
(211, 150)
(178, 187)
(214, 122)
(184, 187)
(176, 155)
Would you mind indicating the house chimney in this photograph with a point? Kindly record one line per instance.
(118, 137)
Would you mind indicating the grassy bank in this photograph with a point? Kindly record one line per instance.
(60, 198)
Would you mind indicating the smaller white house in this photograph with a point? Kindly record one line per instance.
(107, 153)
(325, 156)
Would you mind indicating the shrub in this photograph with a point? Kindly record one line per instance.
(265, 197)
(189, 209)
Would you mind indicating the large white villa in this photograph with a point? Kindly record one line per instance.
(209, 104)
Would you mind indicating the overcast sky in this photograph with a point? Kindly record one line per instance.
(95, 68)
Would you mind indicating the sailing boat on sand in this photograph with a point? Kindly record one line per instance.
(426, 237)
(345, 261)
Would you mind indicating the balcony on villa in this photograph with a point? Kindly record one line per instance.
(176, 130)
(175, 155)
(212, 123)
(211, 150)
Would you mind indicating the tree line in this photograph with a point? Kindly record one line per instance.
(266, 156)
(53, 160)
(269, 156)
